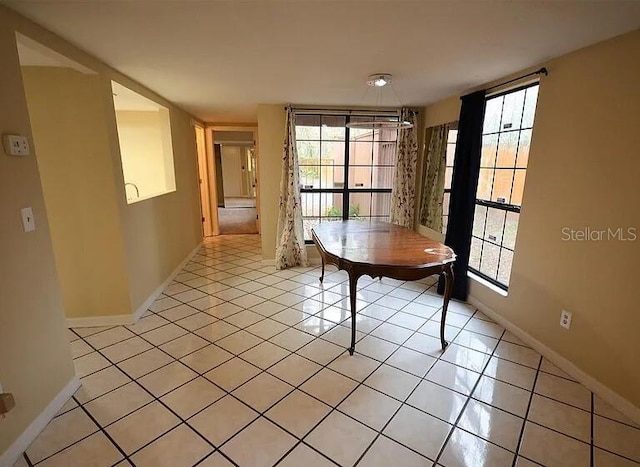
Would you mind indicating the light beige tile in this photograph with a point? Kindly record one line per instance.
(80, 348)
(560, 417)
(69, 405)
(510, 372)
(564, 391)
(181, 446)
(178, 312)
(266, 329)
(239, 342)
(411, 361)
(370, 407)
(328, 386)
(550, 368)
(189, 295)
(142, 426)
(164, 303)
(61, 432)
(262, 391)
(244, 318)
(392, 333)
(167, 378)
(100, 382)
(466, 450)
(298, 413)
(268, 308)
(502, 395)
(453, 377)
(248, 300)
(232, 373)
(355, 366)
(341, 438)
(116, 404)
(89, 363)
(126, 349)
(215, 307)
(465, 357)
(216, 331)
(192, 397)
(606, 459)
(164, 334)
(264, 355)
(304, 455)
(616, 437)
(145, 363)
(437, 401)
(320, 351)
(385, 452)
(492, 424)
(393, 382)
(406, 320)
(566, 452)
(21, 462)
(524, 462)
(109, 337)
(294, 369)
(375, 348)
(147, 323)
(341, 335)
(215, 460)
(603, 408)
(184, 345)
(409, 426)
(94, 451)
(292, 339)
(484, 327)
(518, 354)
(268, 444)
(196, 321)
(206, 358)
(425, 344)
(223, 419)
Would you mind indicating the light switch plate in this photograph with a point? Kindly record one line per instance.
(15, 145)
(28, 222)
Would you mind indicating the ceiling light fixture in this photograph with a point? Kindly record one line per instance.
(380, 81)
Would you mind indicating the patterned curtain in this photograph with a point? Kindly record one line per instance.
(433, 178)
(403, 194)
(290, 248)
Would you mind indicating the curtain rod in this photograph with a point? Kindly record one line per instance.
(329, 111)
(541, 71)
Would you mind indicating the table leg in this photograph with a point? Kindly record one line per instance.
(353, 281)
(322, 275)
(448, 288)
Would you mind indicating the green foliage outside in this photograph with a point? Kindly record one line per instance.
(354, 212)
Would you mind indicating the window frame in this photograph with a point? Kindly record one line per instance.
(506, 207)
(346, 191)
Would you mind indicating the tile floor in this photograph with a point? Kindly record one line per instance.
(240, 364)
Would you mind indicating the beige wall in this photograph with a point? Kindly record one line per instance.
(36, 359)
(271, 122)
(157, 234)
(145, 146)
(583, 172)
(68, 120)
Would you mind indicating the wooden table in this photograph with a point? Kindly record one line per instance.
(380, 249)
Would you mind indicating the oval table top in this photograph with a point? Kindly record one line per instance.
(381, 244)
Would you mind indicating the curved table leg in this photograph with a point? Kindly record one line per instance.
(448, 288)
(353, 281)
(322, 275)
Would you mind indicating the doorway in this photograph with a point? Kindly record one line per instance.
(234, 158)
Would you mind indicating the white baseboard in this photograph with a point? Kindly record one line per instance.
(11, 455)
(156, 293)
(269, 262)
(618, 402)
(94, 321)
(118, 320)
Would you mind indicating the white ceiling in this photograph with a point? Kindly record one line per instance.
(220, 58)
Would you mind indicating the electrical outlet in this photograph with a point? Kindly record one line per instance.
(565, 319)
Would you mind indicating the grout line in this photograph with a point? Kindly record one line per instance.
(526, 414)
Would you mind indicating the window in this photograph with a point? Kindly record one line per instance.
(506, 138)
(144, 134)
(452, 137)
(344, 173)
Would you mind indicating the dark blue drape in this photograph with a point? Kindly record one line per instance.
(466, 170)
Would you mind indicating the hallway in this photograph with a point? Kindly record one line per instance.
(238, 216)
(240, 364)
